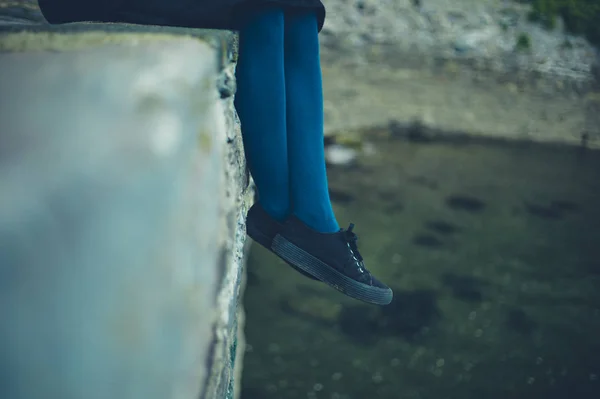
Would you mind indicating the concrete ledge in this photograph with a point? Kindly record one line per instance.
(122, 212)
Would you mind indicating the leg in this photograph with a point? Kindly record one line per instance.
(260, 103)
(304, 97)
(311, 240)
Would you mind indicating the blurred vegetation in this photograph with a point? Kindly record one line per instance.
(523, 42)
(581, 17)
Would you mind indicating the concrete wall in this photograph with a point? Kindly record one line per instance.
(123, 194)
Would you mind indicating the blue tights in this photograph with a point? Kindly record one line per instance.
(279, 101)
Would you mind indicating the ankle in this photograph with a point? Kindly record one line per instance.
(320, 223)
(278, 212)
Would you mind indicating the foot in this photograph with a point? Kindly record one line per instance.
(332, 258)
(262, 228)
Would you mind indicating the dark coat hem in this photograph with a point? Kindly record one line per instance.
(203, 14)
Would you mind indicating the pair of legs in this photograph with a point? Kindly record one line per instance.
(280, 104)
(279, 101)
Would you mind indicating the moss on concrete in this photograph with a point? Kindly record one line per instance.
(51, 41)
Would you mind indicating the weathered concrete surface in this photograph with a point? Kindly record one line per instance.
(122, 207)
(227, 347)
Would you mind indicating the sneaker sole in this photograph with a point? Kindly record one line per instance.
(264, 241)
(301, 259)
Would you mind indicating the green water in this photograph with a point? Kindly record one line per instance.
(493, 252)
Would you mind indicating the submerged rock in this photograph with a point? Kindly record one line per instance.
(337, 154)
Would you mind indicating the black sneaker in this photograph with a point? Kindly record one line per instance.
(332, 258)
(262, 228)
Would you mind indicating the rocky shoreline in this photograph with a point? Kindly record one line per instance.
(496, 33)
(546, 93)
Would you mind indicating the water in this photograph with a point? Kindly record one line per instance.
(493, 252)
